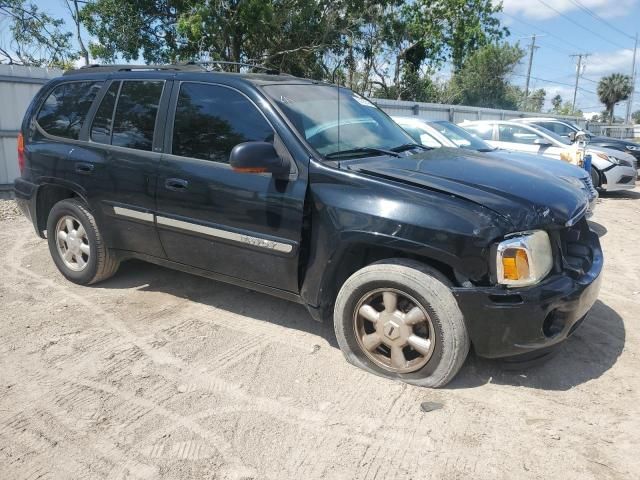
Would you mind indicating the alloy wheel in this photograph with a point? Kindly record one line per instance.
(73, 243)
(394, 330)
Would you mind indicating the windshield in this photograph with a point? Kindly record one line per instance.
(350, 124)
(461, 137)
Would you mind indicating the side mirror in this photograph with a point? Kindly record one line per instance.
(542, 142)
(258, 157)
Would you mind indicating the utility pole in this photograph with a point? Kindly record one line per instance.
(531, 50)
(633, 81)
(579, 68)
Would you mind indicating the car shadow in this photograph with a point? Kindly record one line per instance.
(145, 276)
(590, 352)
(621, 195)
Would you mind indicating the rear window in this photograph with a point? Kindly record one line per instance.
(66, 107)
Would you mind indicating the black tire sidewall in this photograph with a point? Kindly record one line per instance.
(70, 207)
(355, 349)
(595, 177)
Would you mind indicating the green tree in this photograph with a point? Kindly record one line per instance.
(483, 79)
(613, 89)
(556, 103)
(37, 39)
(635, 116)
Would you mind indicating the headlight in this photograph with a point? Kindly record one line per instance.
(633, 148)
(523, 259)
(609, 158)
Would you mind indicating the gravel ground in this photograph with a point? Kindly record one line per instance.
(159, 374)
(8, 210)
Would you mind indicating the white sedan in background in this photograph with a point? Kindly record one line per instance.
(441, 133)
(612, 169)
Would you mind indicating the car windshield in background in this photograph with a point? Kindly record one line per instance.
(461, 137)
(345, 127)
(555, 136)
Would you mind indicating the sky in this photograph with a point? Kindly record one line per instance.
(602, 28)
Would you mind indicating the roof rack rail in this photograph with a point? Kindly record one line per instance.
(224, 63)
(206, 66)
(97, 68)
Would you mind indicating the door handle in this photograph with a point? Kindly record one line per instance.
(176, 184)
(84, 168)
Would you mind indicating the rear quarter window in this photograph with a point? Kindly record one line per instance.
(65, 108)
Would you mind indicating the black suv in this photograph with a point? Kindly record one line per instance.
(309, 192)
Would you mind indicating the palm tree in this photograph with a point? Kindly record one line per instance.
(613, 89)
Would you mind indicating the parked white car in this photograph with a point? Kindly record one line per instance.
(612, 169)
(441, 133)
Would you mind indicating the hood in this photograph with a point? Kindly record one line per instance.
(611, 152)
(612, 141)
(557, 168)
(527, 197)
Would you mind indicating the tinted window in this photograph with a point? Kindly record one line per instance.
(102, 123)
(483, 131)
(66, 107)
(136, 111)
(211, 120)
(513, 134)
(559, 128)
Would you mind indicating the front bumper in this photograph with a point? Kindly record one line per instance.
(507, 322)
(619, 177)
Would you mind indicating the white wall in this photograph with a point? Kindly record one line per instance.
(18, 85)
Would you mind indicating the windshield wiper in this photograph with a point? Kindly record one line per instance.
(355, 151)
(409, 146)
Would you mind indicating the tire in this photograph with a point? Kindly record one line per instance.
(415, 285)
(595, 178)
(99, 261)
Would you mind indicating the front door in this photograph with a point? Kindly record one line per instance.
(242, 225)
(522, 139)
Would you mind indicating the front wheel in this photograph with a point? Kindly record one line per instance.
(595, 178)
(399, 319)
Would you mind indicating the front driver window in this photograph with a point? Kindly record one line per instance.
(210, 120)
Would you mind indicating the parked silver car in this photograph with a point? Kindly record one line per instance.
(441, 133)
(612, 169)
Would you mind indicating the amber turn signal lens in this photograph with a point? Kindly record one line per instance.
(515, 264)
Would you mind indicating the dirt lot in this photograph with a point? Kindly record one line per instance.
(158, 374)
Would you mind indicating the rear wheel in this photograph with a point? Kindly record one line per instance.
(76, 245)
(399, 319)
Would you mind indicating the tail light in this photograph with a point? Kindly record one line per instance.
(21, 153)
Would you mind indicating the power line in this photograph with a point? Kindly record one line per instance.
(598, 17)
(580, 25)
(546, 80)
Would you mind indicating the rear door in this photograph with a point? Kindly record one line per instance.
(522, 139)
(242, 225)
(118, 162)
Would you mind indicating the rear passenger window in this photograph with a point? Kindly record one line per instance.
(102, 123)
(211, 120)
(66, 107)
(136, 110)
(484, 131)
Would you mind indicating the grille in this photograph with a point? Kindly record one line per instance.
(576, 253)
(625, 179)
